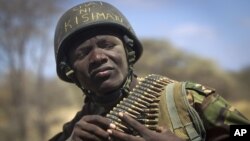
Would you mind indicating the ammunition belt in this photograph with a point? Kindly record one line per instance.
(142, 103)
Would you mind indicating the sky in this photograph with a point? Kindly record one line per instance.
(214, 29)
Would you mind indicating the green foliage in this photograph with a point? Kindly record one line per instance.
(242, 78)
(163, 58)
(53, 102)
(44, 106)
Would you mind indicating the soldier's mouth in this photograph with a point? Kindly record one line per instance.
(101, 72)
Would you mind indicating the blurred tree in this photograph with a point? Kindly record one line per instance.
(28, 98)
(243, 80)
(24, 40)
(161, 57)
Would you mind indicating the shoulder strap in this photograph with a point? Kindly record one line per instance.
(173, 113)
(180, 112)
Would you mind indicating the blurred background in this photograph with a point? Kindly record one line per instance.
(201, 41)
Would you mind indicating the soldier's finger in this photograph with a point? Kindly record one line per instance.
(80, 135)
(161, 129)
(98, 120)
(137, 126)
(92, 129)
(121, 136)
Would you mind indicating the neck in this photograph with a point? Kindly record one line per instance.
(114, 97)
(107, 99)
(134, 82)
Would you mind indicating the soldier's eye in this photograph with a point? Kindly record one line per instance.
(82, 52)
(109, 45)
(79, 55)
(106, 44)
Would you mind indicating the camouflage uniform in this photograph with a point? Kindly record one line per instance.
(215, 112)
(205, 115)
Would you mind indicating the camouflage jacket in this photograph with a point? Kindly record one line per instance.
(216, 113)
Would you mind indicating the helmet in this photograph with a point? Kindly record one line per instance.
(86, 16)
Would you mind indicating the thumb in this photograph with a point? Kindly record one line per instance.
(161, 129)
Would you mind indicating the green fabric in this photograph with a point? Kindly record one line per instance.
(195, 117)
(214, 109)
(173, 93)
(174, 116)
(218, 112)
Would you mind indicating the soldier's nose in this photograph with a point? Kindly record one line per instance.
(97, 57)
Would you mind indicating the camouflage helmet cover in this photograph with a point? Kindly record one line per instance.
(86, 16)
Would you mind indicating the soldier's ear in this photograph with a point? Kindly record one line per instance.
(129, 48)
(69, 72)
(129, 42)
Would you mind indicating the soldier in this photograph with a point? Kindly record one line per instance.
(96, 48)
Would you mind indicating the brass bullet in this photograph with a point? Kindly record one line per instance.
(156, 100)
(115, 118)
(134, 103)
(131, 106)
(143, 97)
(161, 81)
(145, 93)
(154, 105)
(113, 113)
(120, 110)
(150, 82)
(152, 127)
(120, 125)
(151, 110)
(128, 109)
(148, 121)
(139, 100)
(147, 90)
(150, 86)
(151, 115)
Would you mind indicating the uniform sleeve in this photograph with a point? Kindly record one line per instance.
(217, 114)
(65, 134)
(68, 127)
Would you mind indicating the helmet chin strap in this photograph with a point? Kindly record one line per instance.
(113, 96)
(125, 89)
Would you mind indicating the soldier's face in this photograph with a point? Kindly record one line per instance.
(100, 63)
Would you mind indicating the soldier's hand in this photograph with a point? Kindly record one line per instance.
(91, 127)
(145, 133)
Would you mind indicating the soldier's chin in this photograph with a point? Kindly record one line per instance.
(108, 88)
(110, 84)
